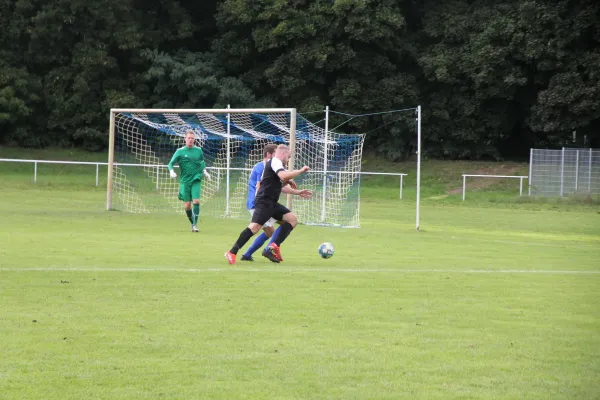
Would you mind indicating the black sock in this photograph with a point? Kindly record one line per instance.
(244, 237)
(286, 229)
(190, 216)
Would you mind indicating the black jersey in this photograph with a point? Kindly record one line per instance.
(270, 183)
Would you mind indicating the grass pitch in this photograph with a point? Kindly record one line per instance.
(494, 302)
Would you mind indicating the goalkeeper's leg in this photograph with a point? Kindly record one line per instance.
(185, 194)
(188, 211)
(195, 212)
(195, 192)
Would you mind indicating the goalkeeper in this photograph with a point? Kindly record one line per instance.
(192, 168)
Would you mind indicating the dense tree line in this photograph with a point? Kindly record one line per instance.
(494, 77)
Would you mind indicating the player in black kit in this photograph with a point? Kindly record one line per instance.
(274, 180)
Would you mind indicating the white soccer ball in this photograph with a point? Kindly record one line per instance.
(326, 250)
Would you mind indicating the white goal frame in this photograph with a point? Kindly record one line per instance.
(228, 111)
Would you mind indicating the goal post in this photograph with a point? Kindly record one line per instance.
(142, 142)
(418, 111)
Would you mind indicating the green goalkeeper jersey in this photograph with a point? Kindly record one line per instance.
(191, 163)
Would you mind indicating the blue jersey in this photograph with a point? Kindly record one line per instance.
(253, 180)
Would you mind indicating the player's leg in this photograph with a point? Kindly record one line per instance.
(195, 193)
(247, 256)
(275, 234)
(245, 235)
(270, 253)
(185, 195)
(289, 223)
(259, 241)
(261, 214)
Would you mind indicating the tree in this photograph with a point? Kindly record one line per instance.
(349, 54)
(193, 80)
(87, 57)
(498, 73)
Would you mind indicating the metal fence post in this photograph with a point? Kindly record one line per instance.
(577, 171)
(464, 186)
(521, 186)
(35, 172)
(401, 184)
(97, 170)
(530, 168)
(590, 173)
(562, 171)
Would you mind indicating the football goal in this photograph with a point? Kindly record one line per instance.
(142, 142)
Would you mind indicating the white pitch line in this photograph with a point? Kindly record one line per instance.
(292, 269)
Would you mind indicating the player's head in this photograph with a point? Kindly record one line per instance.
(283, 153)
(269, 151)
(190, 136)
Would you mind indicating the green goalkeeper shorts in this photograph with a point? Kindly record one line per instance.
(190, 191)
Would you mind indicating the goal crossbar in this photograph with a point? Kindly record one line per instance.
(203, 110)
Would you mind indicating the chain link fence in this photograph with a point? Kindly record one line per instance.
(564, 172)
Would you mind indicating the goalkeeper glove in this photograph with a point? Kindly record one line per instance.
(172, 173)
(207, 175)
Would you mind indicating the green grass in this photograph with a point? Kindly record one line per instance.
(487, 301)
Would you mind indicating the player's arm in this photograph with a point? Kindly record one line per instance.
(284, 175)
(203, 169)
(305, 194)
(172, 164)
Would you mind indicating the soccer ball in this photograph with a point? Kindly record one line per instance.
(326, 250)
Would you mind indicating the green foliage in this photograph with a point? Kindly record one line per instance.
(494, 77)
(192, 80)
(20, 95)
(351, 55)
(83, 58)
(19, 91)
(501, 73)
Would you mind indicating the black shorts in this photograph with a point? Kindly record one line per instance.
(264, 211)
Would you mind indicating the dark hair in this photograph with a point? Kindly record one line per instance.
(270, 149)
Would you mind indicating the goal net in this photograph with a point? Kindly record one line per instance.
(143, 141)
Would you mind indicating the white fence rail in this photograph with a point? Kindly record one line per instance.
(98, 164)
(464, 187)
(36, 162)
